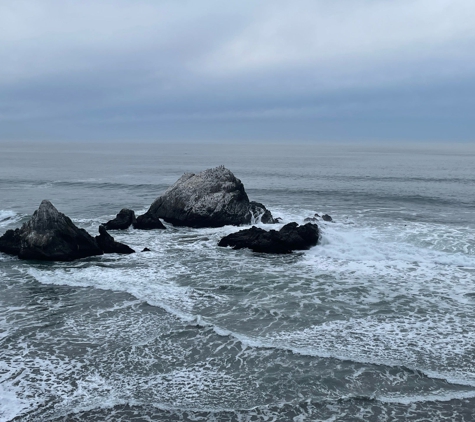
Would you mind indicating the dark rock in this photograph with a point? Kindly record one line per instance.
(146, 250)
(326, 217)
(290, 237)
(260, 213)
(107, 243)
(316, 215)
(299, 238)
(148, 222)
(122, 221)
(277, 220)
(49, 235)
(212, 198)
(10, 242)
(310, 219)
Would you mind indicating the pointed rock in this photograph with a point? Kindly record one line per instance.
(51, 236)
(107, 243)
(122, 221)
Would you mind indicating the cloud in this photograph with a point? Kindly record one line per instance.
(326, 33)
(83, 64)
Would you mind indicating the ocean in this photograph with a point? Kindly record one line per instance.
(376, 323)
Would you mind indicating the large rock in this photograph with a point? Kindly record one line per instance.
(291, 237)
(212, 198)
(122, 221)
(107, 243)
(51, 236)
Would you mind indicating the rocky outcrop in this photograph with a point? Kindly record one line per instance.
(289, 238)
(107, 243)
(148, 222)
(260, 213)
(212, 198)
(122, 221)
(51, 236)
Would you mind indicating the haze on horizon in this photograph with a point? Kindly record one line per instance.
(346, 70)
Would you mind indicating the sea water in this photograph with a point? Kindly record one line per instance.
(375, 323)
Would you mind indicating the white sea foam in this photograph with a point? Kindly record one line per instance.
(8, 217)
(11, 405)
(386, 263)
(397, 295)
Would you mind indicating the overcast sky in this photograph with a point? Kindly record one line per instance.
(320, 70)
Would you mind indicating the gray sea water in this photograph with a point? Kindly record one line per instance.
(376, 323)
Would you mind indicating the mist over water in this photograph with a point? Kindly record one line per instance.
(375, 323)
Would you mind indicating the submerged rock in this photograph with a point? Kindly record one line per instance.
(49, 235)
(326, 217)
(122, 221)
(146, 250)
(289, 238)
(107, 243)
(212, 198)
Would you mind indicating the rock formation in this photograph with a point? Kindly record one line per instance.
(148, 222)
(289, 238)
(51, 236)
(260, 213)
(107, 243)
(326, 217)
(212, 198)
(122, 221)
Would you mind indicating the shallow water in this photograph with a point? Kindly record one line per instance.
(375, 323)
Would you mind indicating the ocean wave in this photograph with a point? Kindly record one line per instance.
(9, 218)
(367, 408)
(330, 341)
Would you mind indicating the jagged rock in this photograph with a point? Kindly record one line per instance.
(122, 221)
(289, 238)
(326, 217)
(212, 198)
(261, 213)
(148, 222)
(145, 250)
(107, 243)
(49, 235)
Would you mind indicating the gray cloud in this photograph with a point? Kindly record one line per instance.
(306, 70)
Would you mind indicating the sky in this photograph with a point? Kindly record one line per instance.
(182, 70)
